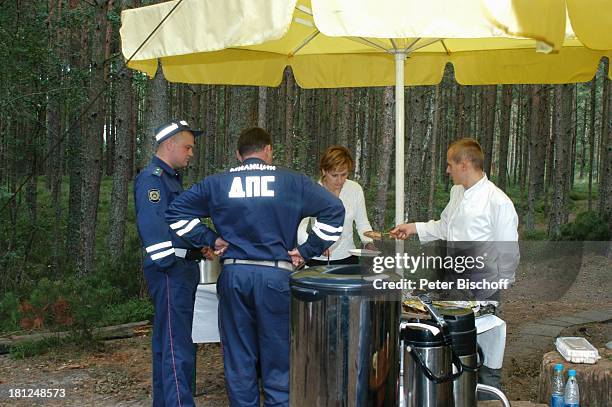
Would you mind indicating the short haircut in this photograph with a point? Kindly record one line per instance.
(252, 140)
(467, 149)
(336, 157)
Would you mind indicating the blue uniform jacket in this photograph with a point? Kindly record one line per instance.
(257, 208)
(155, 188)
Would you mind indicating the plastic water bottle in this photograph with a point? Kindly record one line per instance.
(572, 395)
(556, 395)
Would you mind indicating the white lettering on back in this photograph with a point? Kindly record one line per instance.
(255, 186)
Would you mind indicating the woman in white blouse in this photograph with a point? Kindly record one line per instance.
(335, 166)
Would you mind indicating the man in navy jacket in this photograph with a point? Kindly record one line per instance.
(256, 207)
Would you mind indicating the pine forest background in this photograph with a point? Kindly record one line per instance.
(76, 127)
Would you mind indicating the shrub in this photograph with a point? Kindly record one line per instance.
(588, 226)
(9, 314)
(135, 309)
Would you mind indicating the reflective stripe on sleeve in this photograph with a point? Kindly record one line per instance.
(161, 255)
(328, 228)
(188, 228)
(178, 224)
(158, 246)
(324, 236)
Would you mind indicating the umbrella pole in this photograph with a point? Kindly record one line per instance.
(400, 57)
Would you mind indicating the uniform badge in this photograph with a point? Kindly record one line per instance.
(154, 195)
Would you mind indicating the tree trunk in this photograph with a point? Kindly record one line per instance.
(517, 135)
(345, 123)
(504, 136)
(92, 146)
(574, 120)
(289, 113)
(605, 117)
(550, 170)
(584, 139)
(242, 114)
(122, 159)
(74, 152)
(55, 145)
(210, 136)
(369, 148)
(488, 125)
(594, 378)
(460, 116)
(537, 151)
(605, 185)
(262, 100)
(157, 113)
(384, 157)
(415, 127)
(433, 146)
(563, 139)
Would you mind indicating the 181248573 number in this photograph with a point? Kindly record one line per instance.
(37, 393)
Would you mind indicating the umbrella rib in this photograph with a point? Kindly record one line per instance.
(410, 50)
(445, 47)
(412, 44)
(305, 42)
(370, 43)
(393, 44)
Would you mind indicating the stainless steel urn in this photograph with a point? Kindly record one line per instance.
(344, 338)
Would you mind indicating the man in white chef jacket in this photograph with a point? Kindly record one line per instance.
(478, 211)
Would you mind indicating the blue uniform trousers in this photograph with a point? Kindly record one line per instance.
(173, 295)
(254, 304)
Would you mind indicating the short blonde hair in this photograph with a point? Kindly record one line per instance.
(467, 149)
(336, 157)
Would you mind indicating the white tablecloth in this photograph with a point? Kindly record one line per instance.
(491, 336)
(205, 328)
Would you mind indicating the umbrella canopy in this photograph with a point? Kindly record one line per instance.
(342, 43)
(339, 43)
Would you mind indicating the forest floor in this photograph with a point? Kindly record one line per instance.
(118, 374)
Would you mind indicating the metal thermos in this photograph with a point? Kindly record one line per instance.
(430, 365)
(344, 338)
(462, 331)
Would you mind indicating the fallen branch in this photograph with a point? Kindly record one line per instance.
(104, 333)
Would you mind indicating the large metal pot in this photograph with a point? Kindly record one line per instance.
(210, 270)
(344, 338)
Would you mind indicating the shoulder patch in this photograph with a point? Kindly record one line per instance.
(158, 171)
(154, 195)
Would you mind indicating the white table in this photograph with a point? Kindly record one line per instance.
(205, 328)
(491, 336)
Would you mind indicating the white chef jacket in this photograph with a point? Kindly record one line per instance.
(481, 213)
(353, 200)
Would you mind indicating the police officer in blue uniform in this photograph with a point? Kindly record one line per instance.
(171, 273)
(256, 207)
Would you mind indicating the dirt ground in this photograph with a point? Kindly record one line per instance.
(118, 374)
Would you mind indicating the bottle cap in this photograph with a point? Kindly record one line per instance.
(571, 372)
(559, 367)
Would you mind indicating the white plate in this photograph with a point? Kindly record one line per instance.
(364, 252)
